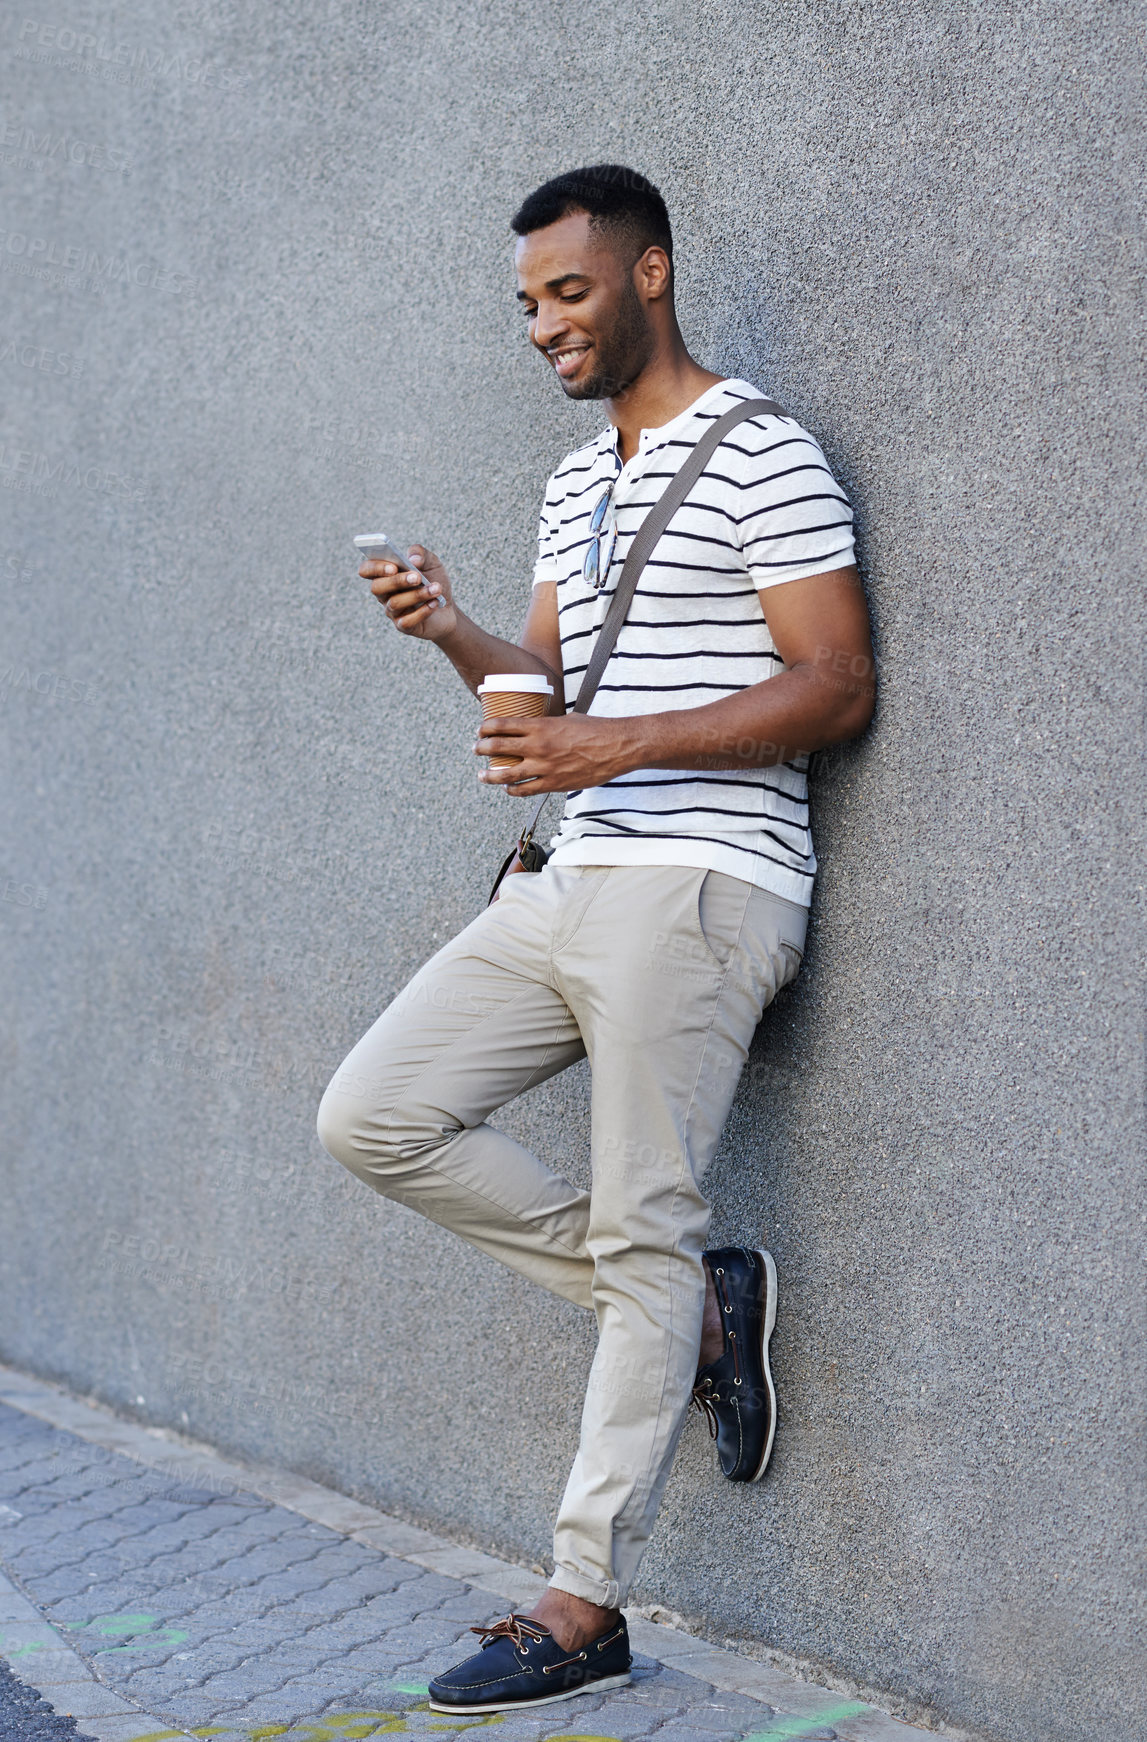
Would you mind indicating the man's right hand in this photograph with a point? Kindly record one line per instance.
(420, 602)
(424, 606)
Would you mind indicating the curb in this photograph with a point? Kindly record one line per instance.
(800, 1706)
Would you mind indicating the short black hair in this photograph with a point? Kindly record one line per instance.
(620, 201)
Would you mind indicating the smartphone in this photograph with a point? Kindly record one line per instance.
(376, 547)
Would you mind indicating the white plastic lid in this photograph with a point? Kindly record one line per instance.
(531, 682)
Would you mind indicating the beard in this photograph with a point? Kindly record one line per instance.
(622, 352)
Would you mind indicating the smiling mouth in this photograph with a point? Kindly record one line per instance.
(567, 359)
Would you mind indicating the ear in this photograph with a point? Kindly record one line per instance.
(653, 275)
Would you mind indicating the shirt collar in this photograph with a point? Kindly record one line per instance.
(655, 438)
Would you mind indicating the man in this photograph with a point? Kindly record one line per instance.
(671, 911)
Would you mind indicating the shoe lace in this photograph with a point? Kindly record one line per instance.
(518, 1628)
(703, 1402)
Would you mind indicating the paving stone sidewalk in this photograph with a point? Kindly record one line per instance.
(171, 1601)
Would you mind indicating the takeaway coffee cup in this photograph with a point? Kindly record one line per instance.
(510, 696)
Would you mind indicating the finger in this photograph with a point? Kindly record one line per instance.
(430, 565)
(495, 776)
(399, 611)
(496, 728)
(383, 586)
(515, 770)
(374, 566)
(494, 745)
(431, 606)
(399, 599)
(515, 780)
(412, 619)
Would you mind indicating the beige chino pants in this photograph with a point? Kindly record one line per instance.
(659, 974)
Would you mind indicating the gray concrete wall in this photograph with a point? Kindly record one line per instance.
(241, 811)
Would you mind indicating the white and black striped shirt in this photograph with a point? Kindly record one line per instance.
(765, 510)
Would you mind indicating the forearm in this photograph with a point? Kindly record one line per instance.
(824, 695)
(474, 654)
(795, 713)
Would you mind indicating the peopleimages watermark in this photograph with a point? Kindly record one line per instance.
(170, 1266)
(120, 63)
(82, 268)
(53, 685)
(41, 358)
(246, 853)
(36, 473)
(23, 894)
(25, 147)
(187, 1471)
(202, 1380)
(209, 1059)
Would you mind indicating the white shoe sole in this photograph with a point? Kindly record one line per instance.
(767, 1325)
(600, 1686)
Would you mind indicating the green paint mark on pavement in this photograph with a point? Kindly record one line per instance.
(114, 1625)
(142, 1632)
(788, 1729)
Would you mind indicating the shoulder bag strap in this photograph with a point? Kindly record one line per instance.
(641, 550)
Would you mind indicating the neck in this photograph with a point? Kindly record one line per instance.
(668, 384)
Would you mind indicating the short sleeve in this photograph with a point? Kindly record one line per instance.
(546, 567)
(793, 518)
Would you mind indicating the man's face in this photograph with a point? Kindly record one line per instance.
(583, 308)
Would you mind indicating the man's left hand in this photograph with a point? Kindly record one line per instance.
(565, 753)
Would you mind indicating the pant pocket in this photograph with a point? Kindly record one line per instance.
(792, 959)
(721, 902)
(772, 942)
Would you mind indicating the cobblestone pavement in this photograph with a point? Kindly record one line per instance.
(192, 1608)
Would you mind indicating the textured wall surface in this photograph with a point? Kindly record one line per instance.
(260, 297)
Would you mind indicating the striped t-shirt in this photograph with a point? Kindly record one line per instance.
(765, 510)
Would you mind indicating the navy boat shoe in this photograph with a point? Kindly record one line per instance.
(735, 1392)
(521, 1664)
